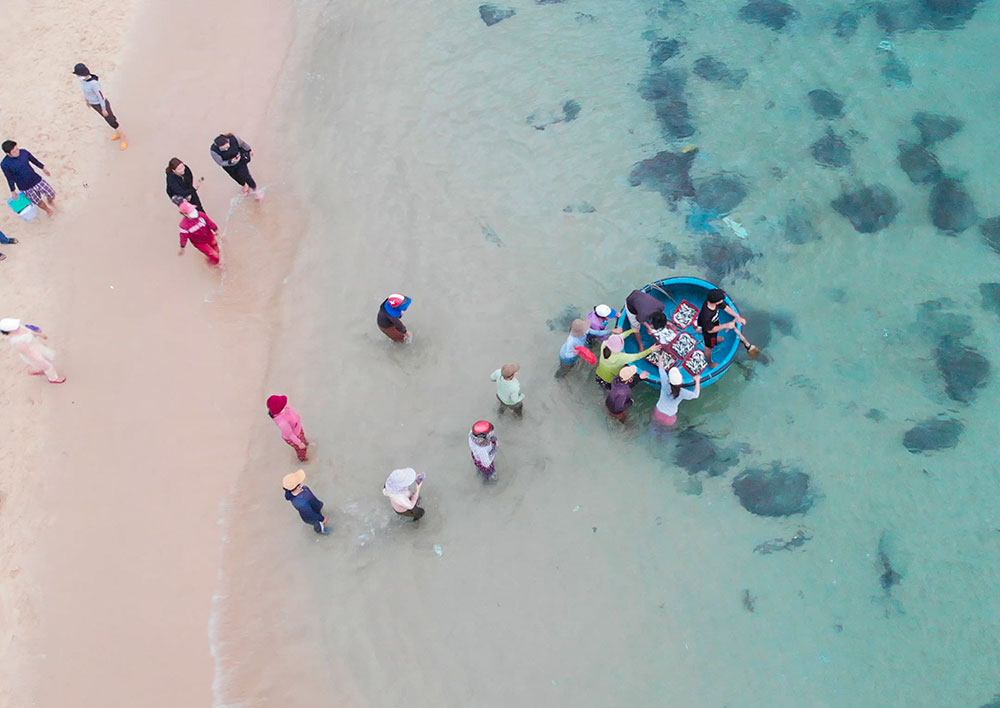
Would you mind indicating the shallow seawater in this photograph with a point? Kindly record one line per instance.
(443, 162)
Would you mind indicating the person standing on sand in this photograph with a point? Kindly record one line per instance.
(708, 321)
(290, 424)
(389, 314)
(4, 239)
(233, 155)
(24, 340)
(483, 443)
(94, 97)
(21, 177)
(181, 185)
(305, 502)
(201, 231)
(509, 389)
(397, 488)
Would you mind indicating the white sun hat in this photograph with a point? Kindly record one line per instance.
(399, 481)
(9, 324)
(675, 376)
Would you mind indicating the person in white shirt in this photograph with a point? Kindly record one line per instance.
(95, 98)
(671, 395)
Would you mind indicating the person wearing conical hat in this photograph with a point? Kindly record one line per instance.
(25, 340)
(619, 398)
(483, 443)
(290, 424)
(305, 502)
(398, 488)
(580, 332)
(389, 314)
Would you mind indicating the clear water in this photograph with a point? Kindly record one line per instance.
(597, 572)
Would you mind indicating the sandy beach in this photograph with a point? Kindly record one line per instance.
(112, 493)
(149, 556)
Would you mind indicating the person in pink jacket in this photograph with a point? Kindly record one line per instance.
(201, 231)
(290, 424)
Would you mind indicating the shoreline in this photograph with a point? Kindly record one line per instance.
(164, 359)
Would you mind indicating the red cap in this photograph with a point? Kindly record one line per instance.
(482, 427)
(276, 404)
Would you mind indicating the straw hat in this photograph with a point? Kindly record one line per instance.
(615, 343)
(508, 370)
(579, 328)
(291, 481)
(675, 377)
(627, 372)
(9, 324)
(399, 481)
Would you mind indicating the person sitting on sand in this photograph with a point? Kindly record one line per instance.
(201, 231)
(613, 358)
(290, 424)
(671, 395)
(602, 319)
(21, 177)
(397, 488)
(483, 443)
(305, 502)
(24, 339)
(181, 185)
(509, 389)
(708, 321)
(389, 314)
(619, 398)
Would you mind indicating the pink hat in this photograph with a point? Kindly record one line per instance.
(615, 343)
(187, 208)
(396, 299)
(482, 427)
(276, 404)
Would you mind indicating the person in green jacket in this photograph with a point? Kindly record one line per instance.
(614, 357)
(509, 389)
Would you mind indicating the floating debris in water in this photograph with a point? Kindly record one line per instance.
(490, 235)
(780, 544)
(749, 601)
(888, 577)
(438, 550)
(492, 14)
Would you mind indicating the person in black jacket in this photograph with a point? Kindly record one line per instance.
(233, 155)
(181, 185)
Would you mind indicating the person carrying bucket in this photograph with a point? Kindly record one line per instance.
(22, 178)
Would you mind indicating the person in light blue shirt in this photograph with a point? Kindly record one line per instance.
(579, 332)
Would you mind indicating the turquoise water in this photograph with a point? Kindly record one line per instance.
(599, 571)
